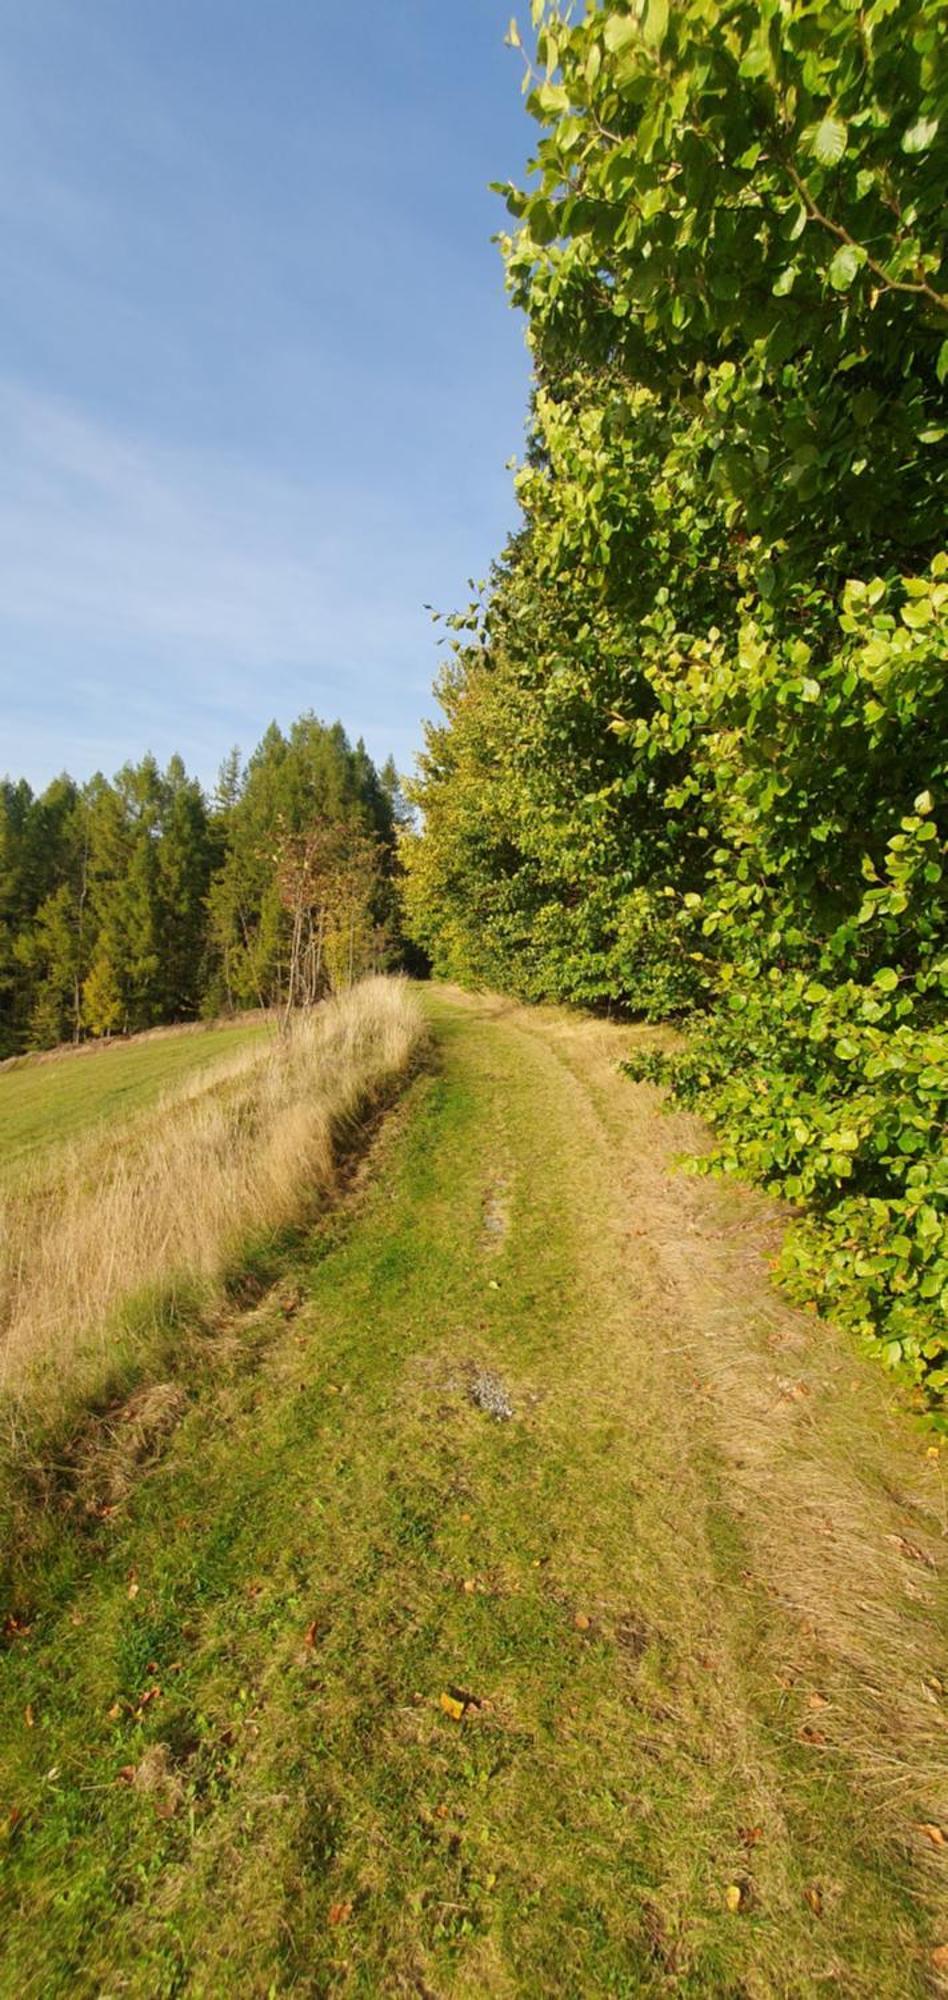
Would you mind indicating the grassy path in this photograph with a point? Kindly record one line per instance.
(694, 1585)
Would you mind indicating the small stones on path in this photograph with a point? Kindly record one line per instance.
(488, 1393)
(495, 1213)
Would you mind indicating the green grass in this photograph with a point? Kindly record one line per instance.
(45, 1103)
(292, 1811)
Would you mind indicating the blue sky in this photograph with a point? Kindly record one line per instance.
(258, 377)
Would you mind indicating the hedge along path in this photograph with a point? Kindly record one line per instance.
(684, 1600)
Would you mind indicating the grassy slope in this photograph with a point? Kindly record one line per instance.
(63, 1098)
(297, 1814)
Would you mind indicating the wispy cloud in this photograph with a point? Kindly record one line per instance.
(215, 579)
(257, 377)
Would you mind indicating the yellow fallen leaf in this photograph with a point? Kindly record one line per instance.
(451, 1707)
(581, 1622)
(469, 1586)
(732, 1897)
(814, 1897)
(28, 1716)
(932, 1833)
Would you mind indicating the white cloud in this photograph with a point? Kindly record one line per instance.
(194, 556)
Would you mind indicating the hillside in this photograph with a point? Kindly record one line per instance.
(519, 1596)
(52, 1100)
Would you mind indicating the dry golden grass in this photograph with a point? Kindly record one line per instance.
(236, 1153)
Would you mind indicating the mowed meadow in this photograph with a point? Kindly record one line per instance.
(186, 1157)
(46, 1100)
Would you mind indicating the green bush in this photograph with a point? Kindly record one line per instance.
(695, 751)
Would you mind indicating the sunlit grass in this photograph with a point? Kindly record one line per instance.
(49, 1101)
(92, 1243)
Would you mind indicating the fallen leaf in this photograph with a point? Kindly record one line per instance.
(452, 1707)
(814, 1898)
(469, 1586)
(126, 1775)
(815, 1700)
(28, 1716)
(581, 1622)
(733, 1897)
(750, 1835)
(940, 1958)
(809, 1735)
(309, 1637)
(932, 1833)
(339, 1913)
(467, 1519)
(115, 1711)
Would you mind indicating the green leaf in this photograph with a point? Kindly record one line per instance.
(941, 365)
(552, 98)
(656, 24)
(919, 136)
(542, 222)
(619, 31)
(513, 34)
(829, 141)
(845, 266)
(887, 979)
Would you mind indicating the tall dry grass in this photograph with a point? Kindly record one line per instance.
(170, 1201)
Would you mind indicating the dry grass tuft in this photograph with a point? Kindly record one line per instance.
(168, 1204)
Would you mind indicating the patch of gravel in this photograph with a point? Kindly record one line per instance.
(488, 1393)
(495, 1215)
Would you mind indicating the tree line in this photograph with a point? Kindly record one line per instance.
(137, 901)
(693, 756)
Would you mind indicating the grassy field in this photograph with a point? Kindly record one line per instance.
(359, 1688)
(55, 1100)
(112, 1243)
